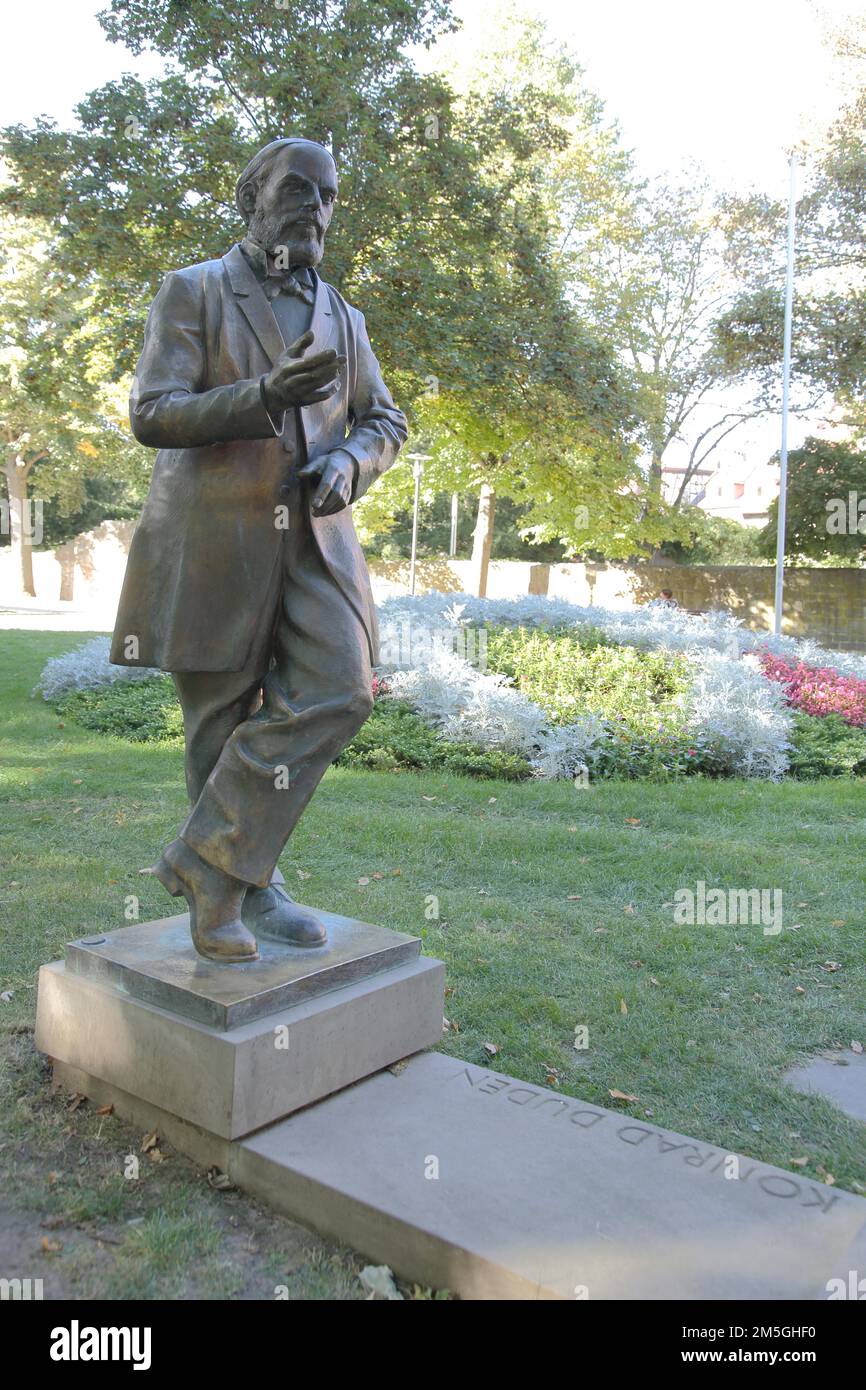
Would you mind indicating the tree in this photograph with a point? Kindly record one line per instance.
(147, 182)
(546, 421)
(826, 504)
(829, 327)
(59, 421)
(659, 291)
(447, 231)
(714, 540)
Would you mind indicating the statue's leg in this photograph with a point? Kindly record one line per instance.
(213, 704)
(315, 698)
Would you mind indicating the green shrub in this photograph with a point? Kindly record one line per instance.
(569, 672)
(143, 711)
(572, 671)
(826, 746)
(395, 737)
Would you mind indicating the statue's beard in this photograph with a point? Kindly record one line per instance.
(289, 243)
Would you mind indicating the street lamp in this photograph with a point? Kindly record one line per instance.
(417, 461)
(786, 382)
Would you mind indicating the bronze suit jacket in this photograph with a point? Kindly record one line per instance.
(202, 578)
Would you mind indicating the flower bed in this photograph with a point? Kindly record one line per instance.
(542, 687)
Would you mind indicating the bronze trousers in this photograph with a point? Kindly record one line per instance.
(258, 741)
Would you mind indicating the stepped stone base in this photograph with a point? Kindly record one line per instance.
(456, 1176)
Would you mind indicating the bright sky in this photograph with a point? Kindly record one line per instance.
(729, 86)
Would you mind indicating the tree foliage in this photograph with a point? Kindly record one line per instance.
(824, 517)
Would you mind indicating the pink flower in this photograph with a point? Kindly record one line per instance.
(818, 690)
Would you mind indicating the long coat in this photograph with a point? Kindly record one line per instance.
(202, 577)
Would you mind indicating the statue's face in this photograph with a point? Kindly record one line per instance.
(294, 205)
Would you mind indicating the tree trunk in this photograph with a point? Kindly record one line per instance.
(19, 523)
(482, 540)
(66, 561)
(655, 476)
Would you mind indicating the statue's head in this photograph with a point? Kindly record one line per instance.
(286, 197)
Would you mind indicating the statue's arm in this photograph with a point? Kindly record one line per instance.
(168, 409)
(378, 429)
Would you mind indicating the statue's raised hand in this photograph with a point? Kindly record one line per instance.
(298, 380)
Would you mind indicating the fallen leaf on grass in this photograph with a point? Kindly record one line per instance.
(303, 873)
(574, 897)
(50, 1247)
(856, 1047)
(621, 1095)
(77, 1099)
(623, 1006)
(396, 1067)
(632, 820)
(830, 966)
(150, 1141)
(828, 1177)
(629, 909)
(492, 1048)
(219, 1180)
(798, 989)
(362, 882)
(105, 1110)
(799, 1162)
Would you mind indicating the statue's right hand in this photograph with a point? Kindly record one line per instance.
(298, 380)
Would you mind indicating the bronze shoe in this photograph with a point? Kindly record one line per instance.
(271, 913)
(215, 900)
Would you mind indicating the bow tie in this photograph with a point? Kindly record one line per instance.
(284, 282)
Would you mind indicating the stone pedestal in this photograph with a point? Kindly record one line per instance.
(456, 1176)
(231, 1048)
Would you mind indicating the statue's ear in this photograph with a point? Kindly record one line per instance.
(247, 199)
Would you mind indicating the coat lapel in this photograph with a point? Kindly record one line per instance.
(254, 303)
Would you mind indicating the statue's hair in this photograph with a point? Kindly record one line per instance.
(260, 163)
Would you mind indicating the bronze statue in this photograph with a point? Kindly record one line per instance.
(258, 386)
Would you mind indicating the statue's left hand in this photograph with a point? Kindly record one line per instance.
(336, 474)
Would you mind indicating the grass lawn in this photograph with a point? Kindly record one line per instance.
(554, 911)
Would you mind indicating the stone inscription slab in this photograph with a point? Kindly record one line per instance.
(474, 1181)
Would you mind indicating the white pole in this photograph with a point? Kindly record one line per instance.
(452, 549)
(786, 382)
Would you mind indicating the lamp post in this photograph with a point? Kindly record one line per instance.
(417, 461)
(786, 382)
(452, 548)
